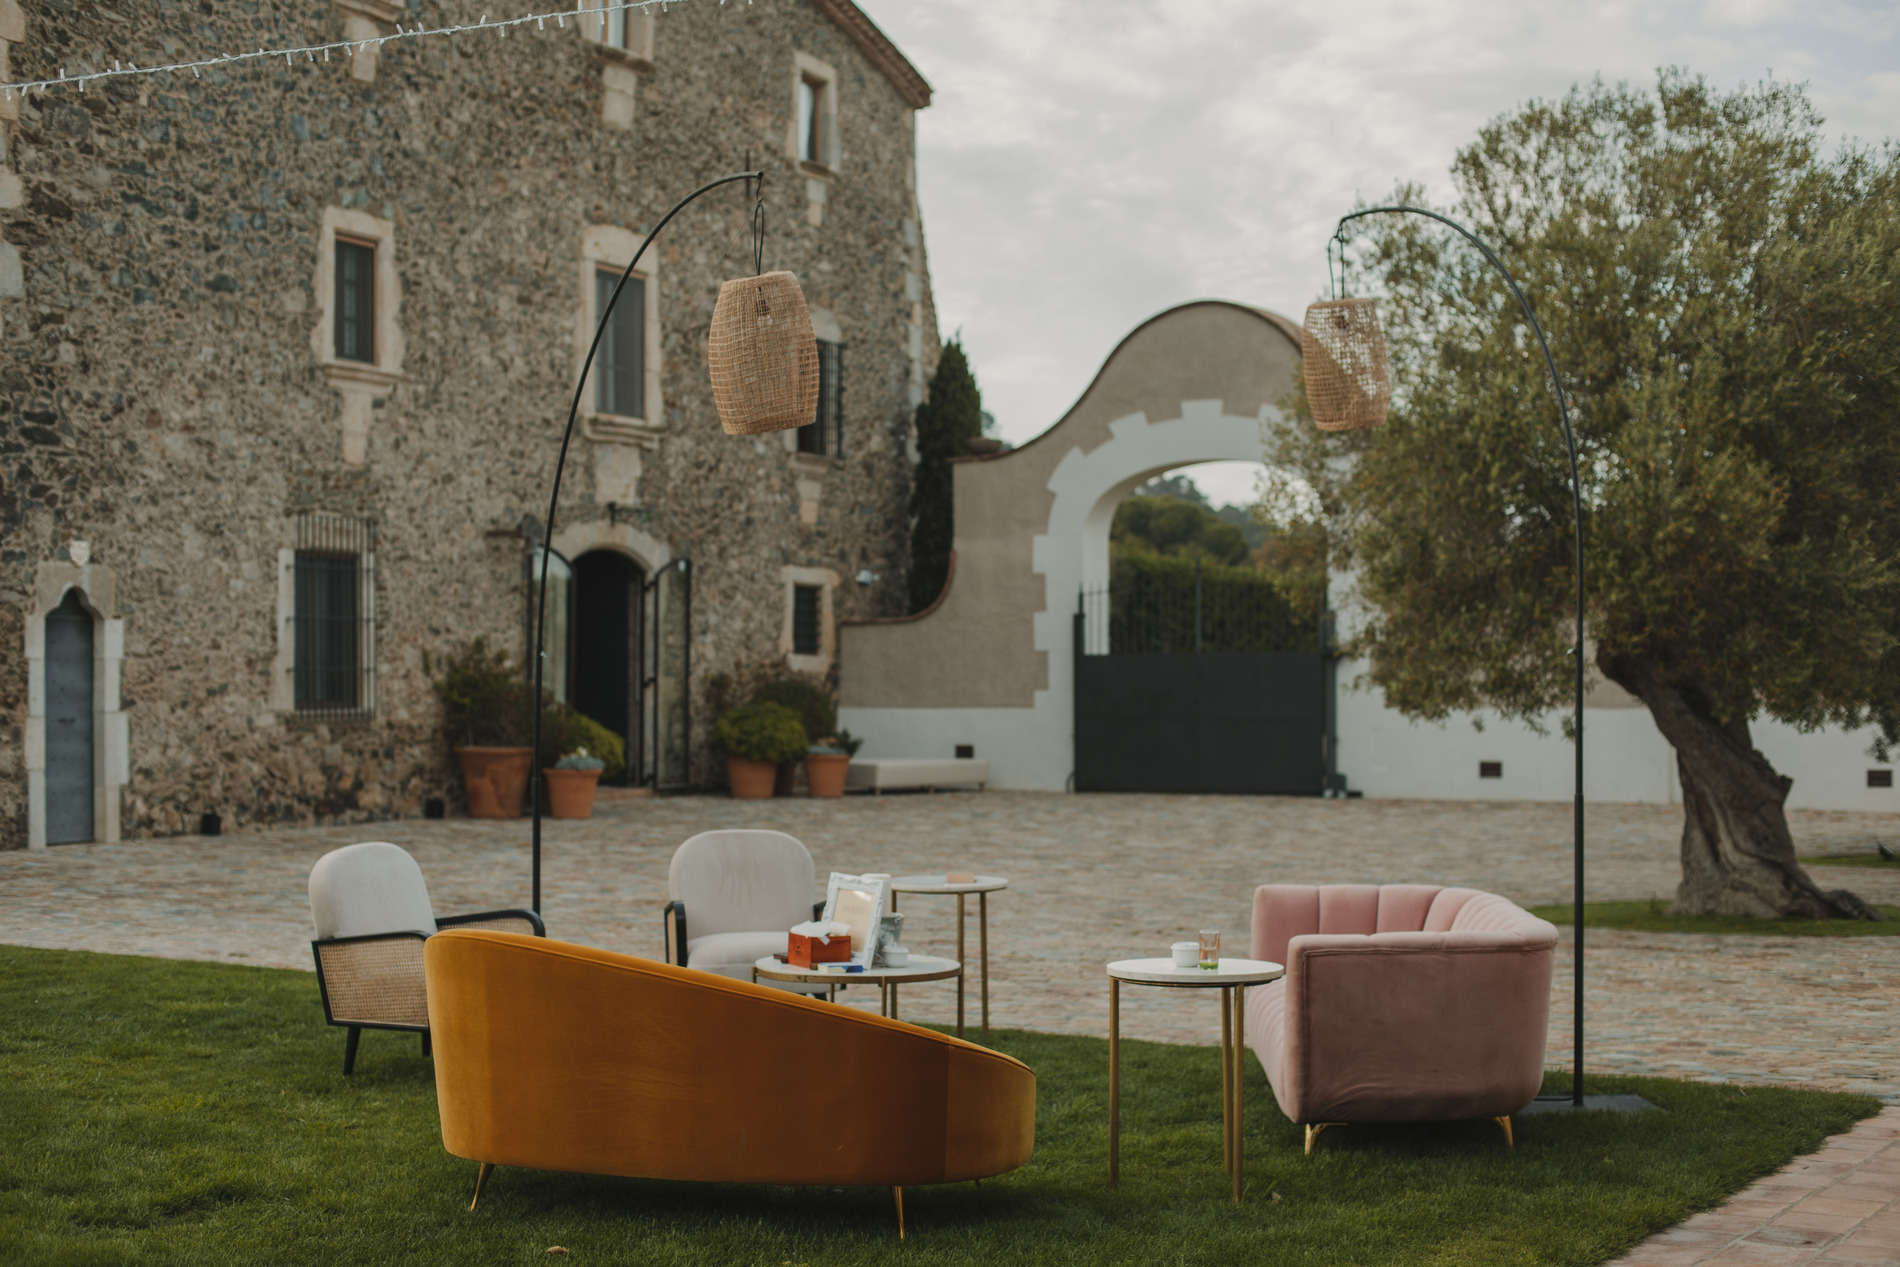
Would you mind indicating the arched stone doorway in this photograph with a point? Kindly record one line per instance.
(76, 735)
(70, 739)
(605, 645)
(991, 665)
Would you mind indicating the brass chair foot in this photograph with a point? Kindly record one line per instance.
(1312, 1133)
(899, 1194)
(481, 1177)
(1505, 1122)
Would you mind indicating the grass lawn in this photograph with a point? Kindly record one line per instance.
(155, 1111)
(1650, 917)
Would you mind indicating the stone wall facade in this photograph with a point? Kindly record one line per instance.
(170, 403)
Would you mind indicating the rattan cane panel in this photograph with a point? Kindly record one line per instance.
(500, 924)
(375, 982)
(763, 355)
(1348, 383)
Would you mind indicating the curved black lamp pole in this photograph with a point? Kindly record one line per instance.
(554, 498)
(1576, 501)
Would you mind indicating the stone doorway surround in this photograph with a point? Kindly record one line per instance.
(97, 588)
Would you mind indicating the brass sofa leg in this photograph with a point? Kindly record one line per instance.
(481, 1177)
(1312, 1133)
(899, 1194)
(1505, 1122)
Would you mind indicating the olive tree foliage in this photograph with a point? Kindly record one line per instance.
(1721, 291)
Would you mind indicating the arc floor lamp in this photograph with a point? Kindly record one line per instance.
(763, 359)
(1349, 387)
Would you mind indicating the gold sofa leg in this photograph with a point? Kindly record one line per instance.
(1312, 1133)
(481, 1177)
(899, 1194)
(1505, 1122)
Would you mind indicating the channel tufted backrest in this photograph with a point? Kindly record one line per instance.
(1282, 912)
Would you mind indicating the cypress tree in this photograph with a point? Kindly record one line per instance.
(947, 421)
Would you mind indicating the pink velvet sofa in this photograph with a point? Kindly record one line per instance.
(1401, 1003)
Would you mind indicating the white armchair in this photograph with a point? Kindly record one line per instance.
(371, 910)
(742, 891)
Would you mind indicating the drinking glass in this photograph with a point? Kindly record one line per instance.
(1210, 948)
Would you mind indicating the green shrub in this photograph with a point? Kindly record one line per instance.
(812, 703)
(760, 731)
(485, 701)
(563, 731)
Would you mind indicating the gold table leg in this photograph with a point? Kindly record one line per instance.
(1227, 1079)
(1114, 1082)
(983, 942)
(1240, 1075)
(960, 961)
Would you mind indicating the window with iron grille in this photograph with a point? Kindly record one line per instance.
(620, 365)
(333, 617)
(806, 638)
(825, 435)
(355, 305)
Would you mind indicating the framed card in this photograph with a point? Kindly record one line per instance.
(859, 901)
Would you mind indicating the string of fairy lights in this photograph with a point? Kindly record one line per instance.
(321, 52)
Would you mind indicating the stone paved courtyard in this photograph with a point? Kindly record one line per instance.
(1092, 878)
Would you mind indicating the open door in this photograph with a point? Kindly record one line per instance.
(667, 670)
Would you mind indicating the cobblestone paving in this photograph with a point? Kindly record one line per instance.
(1092, 878)
(1840, 1205)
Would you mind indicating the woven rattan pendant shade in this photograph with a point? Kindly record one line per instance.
(1347, 384)
(764, 356)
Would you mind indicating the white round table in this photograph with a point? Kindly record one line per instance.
(920, 968)
(1231, 978)
(982, 886)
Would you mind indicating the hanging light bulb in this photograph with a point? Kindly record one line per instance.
(1348, 385)
(764, 355)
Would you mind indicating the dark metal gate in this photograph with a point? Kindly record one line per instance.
(69, 737)
(1163, 705)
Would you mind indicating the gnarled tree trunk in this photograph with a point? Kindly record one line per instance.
(1737, 855)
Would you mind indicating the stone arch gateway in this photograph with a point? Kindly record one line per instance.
(991, 663)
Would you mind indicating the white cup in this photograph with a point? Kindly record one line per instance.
(896, 956)
(1187, 954)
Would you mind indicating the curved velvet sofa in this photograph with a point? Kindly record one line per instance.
(1401, 1003)
(561, 1057)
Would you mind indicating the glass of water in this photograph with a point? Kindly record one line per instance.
(1210, 948)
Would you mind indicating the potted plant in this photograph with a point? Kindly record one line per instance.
(589, 752)
(487, 715)
(828, 761)
(812, 703)
(753, 739)
(571, 783)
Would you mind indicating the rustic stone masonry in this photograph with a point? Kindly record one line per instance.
(172, 399)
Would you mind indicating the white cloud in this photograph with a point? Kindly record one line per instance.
(1087, 163)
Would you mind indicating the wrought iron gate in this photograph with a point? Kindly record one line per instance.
(1174, 694)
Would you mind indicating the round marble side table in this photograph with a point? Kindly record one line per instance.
(1232, 979)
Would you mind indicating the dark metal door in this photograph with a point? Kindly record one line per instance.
(1198, 721)
(69, 737)
(667, 676)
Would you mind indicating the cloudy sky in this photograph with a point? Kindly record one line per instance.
(1087, 163)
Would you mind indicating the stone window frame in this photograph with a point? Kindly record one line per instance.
(610, 246)
(111, 753)
(809, 469)
(283, 682)
(827, 582)
(363, 384)
(806, 68)
(621, 64)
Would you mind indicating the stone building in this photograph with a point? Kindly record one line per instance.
(285, 352)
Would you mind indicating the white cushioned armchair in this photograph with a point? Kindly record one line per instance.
(371, 910)
(735, 894)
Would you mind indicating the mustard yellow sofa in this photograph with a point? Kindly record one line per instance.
(554, 1056)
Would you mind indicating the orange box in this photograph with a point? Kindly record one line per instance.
(807, 952)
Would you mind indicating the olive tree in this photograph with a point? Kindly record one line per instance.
(1721, 290)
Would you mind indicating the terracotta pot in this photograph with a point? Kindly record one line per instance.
(751, 780)
(825, 771)
(496, 780)
(570, 792)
